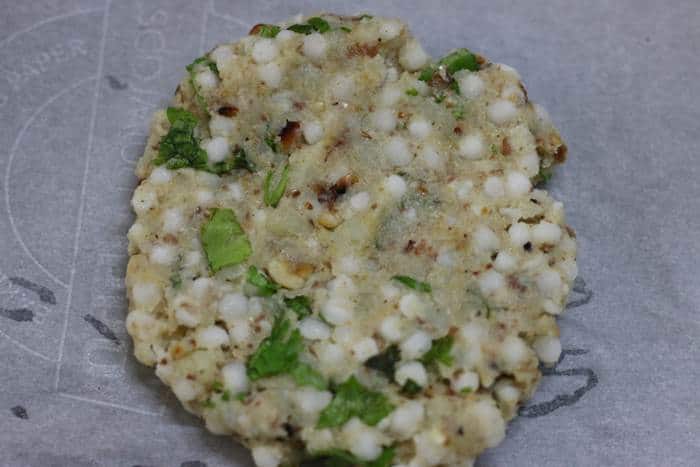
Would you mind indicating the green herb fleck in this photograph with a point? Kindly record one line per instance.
(410, 388)
(224, 241)
(365, 16)
(301, 305)
(226, 395)
(271, 141)
(272, 195)
(175, 280)
(208, 404)
(354, 400)
(278, 353)
(241, 396)
(427, 73)
(458, 113)
(439, 98)
(543, 176)
(305, 375)
(494, 149)
(192, 69)
(265, 287)
(180, 148)
(460, 59)
(386, 361)
(319, 24)
(217, 386)
(340, 458)
(466, 390)
(301, 28)
(412, 92)
(345, 28)
(268, 30)
(414, 284)
(439, 351)
(238, 161)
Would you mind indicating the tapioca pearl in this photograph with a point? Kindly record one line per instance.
(141, 325)
(363, 441)
(389, 29)
(542, 114)
(160, 176)
(337, 311)
(415, 345)
(462, 189)
(519, 234)
(259, 217)
(164, 371)
(211, 337)
(502, 111)
(406, 418)
(341, 286)
(549, 283)
(312, 130)
(163, 255)
(146, 295)
(513, 93)
(144, 200)
(360, 201)
(186, 390)
(270, 74)
(508, 70)
(431, 158)
(548, 349)
(192, 259)
(568, 245)
(331, 355)
(264, 50)
(204, 197)
(390, 291)
(383, 119)
(267, 456)
(419, 127)
(284, 36)
(234, 377)
(201, 287)
(233, 306)
(412, 56)
(472, 146)
(342, 87)
(348, 264)
(314, 329)
(485, 239)
(395, 185)
(513, 352)
(217, 149)
(365, 349)
(470, 84)
(411, 370)
(240, 332)
(411, 305)
(311, 401)
(410, 214)
(389, 96)
(491, 282)
(235, 190)
(473, 333)
(546, 233)
(569, 269)
(505, 262)
(517, 184)
(490, 421)
(206, 80)
(552, 308)
(397, 151)
(187, 317)
(390, 328)
(447, 258)
(430, 448)
(467, 381)
(173, 220)
(314, 46)
(221, 126)
(494, 187)
(391, 75)
(222, 55)
(529, 163)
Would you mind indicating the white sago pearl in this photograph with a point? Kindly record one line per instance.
(314, 329)
(342, 286)
(513, 93)
(344, 335)
(472, 146)
(542, 114)
(363, 440)
(395, 185)
(342, 87)
(519, 234)
(470, 84)
(312, 401)
(221, 126)
(491, 423)
(513, 352)
(549, 282)
(462, 189)
(211, 337)
(547, 348)
(337, 311)
(490, 282)
(160, 176)
(201, 287)
(506, 392)
(485, 240)
(233, 306)
(502, 111)
(360, 201)
(411, 305)
(267, 456)
(217, 149)
(146, 295)
(206, 80)
(419, 127)
(236, 191)
(141, 325)
(384, 119)
(222, 55)
(430, 448)
(529, 163)
(517, 184)
(396, 149)
(348, 264)
(493, 187)
(163, 254)
(173, 220)
(313, 131)
(392, 74)
(144, 199)
(416, 345)
(186, 390)
(365, 349)
(331, 355)
(467, 381)
(390, 291)
(270, 74)
(264, 50)
(186, 317)
(569, 269)
(284, 35)
(204, 197)
(406, 419)
(430, 158)
(412, 56)
(505, 262)
(551, 307)
(411, 370)
(234, 377)
(314, 46)
(389, 96)
(390, 328)
(240, 331)
(546, 232)
(473, 333)
(508, 70)
(446, 258)
(389, 29)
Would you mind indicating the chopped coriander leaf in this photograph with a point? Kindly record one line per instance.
(543, 176)
(439, 351)
(272, 195)
(454, 85)
(192, 69)
(412, 92)
(427, 73)
(466, 390)
(271, 141)
(208, 404)
(414, 284)
(305, 375)
(268, 30)
(460, 59)
(458, 113)
(386, 361)
(301, 28)
(340, 458)
(180, 148)
(226, 395)
(238, 161)
(319, 24)
(175, 280)
(345, 28)
(352, 399)
(410, 388)
(278, 353)
(264, 285)
(301, 305)
(241, 396)
(494, 149)
(366, 16)
(217, 386)
(224, 241)
(439, 98)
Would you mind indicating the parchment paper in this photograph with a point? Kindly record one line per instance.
(78, 82)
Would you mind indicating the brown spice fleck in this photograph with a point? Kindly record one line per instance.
(457, 130)
(228, 111)
(290, 136)
(360, 50)
(505, 147)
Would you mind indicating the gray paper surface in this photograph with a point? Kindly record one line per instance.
(79, 81)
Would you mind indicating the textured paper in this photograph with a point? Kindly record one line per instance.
(79, 80)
